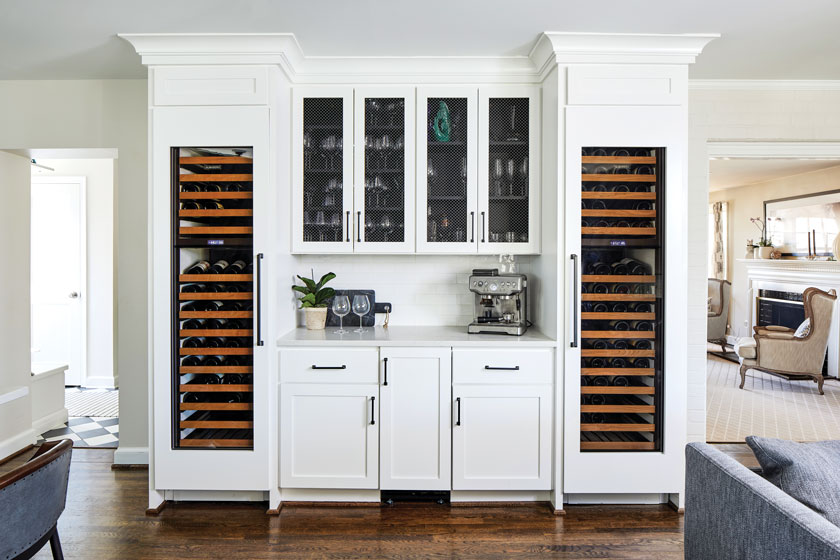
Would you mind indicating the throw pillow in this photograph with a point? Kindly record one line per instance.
(804, 329)
(804, 471)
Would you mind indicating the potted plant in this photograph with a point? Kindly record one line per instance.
(313, 299)
(765, 247)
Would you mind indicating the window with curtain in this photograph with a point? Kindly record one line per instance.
(718, 242)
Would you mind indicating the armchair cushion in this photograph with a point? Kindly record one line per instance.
(804, 471)
(745, 348)
(804, 329)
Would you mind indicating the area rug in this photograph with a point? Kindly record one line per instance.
(92, 402)
(767, 406)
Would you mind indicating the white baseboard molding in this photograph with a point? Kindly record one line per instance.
(50, 421)
(216, 495)
(500, 496)
(131, 456)
(100, 382)
(15, 443)
(620, 499)
(328, 495)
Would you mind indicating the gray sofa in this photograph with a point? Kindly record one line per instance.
(732, 512)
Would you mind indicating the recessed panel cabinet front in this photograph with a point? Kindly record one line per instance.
(329, 436)
(415, 429)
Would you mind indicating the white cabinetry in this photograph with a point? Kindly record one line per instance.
(502, 427)
(415, 417)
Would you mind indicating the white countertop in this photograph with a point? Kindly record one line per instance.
(413, 336)
(47, 368)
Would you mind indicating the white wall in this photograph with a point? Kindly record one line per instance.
(721, 115)
(15, 407)
(101, 114)
(746, 202)
(99, 292)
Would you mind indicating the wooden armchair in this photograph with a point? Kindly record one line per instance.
(777, 350)
(720, 291)
(32, 498)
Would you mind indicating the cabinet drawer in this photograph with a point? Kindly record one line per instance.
(329, 365)
(217, 85)
(480, 365)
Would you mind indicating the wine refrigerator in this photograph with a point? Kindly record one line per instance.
(214, 296)
(621, 299)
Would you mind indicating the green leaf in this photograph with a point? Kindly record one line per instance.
(309, 298)
(323, 295)
(305, 304)
(301, 289)
(310, 283)
(324, 279)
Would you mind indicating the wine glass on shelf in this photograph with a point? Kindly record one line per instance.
(498, 173)
(341, 307)
(510, 168)
(361, 306)
(387, 145)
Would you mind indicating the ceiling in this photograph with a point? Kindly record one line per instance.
(738, 172)
(76, 39)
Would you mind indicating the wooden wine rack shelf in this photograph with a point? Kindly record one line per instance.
(632, 160)
(586, 212)
(623, 316)
(216, 314)
(613, 353)
(215, 296)
(220, 177)
(219, 230)
(615, 230)
(221, 424)
(617, 297)
(216, 406)
(618, 408)
(235, 195)
(610, 390)
(216, 351)
(196, 442)
(617, 445)
(617, 334)
(215, 388)
(605, 195)
(216, 213)
(618, 278)
(592, 372)
(229, 160)
(216, 369)
(215, 278)
(184, 333)
(616, 427)
(616, 178)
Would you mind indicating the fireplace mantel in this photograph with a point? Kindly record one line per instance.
(800, 265)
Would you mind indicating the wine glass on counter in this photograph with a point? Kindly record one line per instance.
(361, 307)
(341, 307)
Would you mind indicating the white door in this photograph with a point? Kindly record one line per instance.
(501, 437)
(447, 184)
(58, 273)
(415, 452)
(509, 170)
(329, 436)
(383, 170)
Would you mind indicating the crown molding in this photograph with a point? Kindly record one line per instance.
(617, 48)
(283, 49)
(764, 85)
(773, 149)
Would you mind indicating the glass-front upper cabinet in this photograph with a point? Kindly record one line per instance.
(447, 184)
(322, 167)
(508, 170)
(384, 170)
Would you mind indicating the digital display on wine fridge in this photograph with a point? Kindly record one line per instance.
(621, 299)
(213, 297)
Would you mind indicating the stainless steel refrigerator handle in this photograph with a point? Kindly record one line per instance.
(574, 341)
(258, 341)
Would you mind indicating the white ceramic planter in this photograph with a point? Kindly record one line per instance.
(316, 318)
(764, 252)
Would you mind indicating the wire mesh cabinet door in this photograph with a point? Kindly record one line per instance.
(447, 180)
(322, 170)
(383, 196)
(508, 170)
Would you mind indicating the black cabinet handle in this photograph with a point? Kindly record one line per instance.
(386, 370)
(458, 419)
(372, 411)
(258, 341)
(514, 368)
(347, 226)
(359, 226)
(472, 227)
(574, 342)
(482, 227)
(343, 366)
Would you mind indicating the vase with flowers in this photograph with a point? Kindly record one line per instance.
(765, 247)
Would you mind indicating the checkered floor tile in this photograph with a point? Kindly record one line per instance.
(87, 431)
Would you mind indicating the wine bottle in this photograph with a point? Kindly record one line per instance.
(619, 326)
(619, 268)
(191, 361)
(201, 267)
(597, 363)
(641, 326)
(194, 306)
(218, 267)
(237, 267)
(215, 342)
(212, 187)
(599, 289)
(619, 307)
(191, 205)
(600, 381)
(620, 344)
(600, 307)
(583, 205)
(233, 343)
(234, 187)
(641, 153)
(205, 379)
(599, 152)
(597, 418)
(643, 363)
(642, 307)
(190, 187)
(644, 205)
(602, 224)
(599, 345)
(621, 170)
(229, 361)
(643, 345)
(193, 324)
(620, 289)
(620, 188)
(194, 342)
(621, 152)
(636, 267)
(211, 361)
(618, 363)
(213, 205)
(595, 399)
(597, 205)
(233, 379)
(194, 397)
(620, 381)
(193, 288)
(600, 170)
(641, 289)
(644, 170)
(598, 269)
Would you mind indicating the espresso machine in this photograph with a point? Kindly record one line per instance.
(501, 302)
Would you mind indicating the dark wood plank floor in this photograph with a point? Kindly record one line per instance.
(105, 519)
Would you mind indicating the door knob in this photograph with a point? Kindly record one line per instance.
(74, 295)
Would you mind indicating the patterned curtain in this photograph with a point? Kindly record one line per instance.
(719, 228)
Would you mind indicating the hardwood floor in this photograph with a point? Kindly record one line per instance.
(104, 519)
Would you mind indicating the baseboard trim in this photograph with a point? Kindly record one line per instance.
(100, 382)
(50, 421)
(131, 456)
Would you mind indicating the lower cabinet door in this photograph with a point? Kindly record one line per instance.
(501, 437)
(416, 386)
(329, 436)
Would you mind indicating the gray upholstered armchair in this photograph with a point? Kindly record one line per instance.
(32, 499)
(719, 293)
(779, 350)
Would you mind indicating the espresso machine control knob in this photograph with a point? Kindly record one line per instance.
(494, 286)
